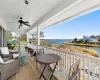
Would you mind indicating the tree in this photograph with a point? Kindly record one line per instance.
(22, 37)
(99, 41)
(42, 34)
(81, 41)
(86, 42)
(93, 36)
(75, 40)
(9, 36)
(35, 35)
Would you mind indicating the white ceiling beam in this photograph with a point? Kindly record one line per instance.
(3, 24)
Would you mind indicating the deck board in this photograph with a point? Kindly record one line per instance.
(28, 72)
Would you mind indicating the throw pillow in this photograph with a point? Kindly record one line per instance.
(4, 50)
(1, 60)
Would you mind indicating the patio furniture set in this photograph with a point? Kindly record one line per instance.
(10, 62)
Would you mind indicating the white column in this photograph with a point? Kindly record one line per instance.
(21, 48)
(27, 39)
(38, 36)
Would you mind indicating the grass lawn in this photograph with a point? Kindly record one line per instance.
(80, 44)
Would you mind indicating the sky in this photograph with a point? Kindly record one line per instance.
(85, 25)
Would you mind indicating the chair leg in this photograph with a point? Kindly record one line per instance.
(79, 76)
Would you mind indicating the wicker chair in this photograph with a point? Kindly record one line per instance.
(9, 68)
(8, 65)
(38, 52)
(74, 73)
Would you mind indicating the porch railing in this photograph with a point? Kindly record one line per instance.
(90, 66)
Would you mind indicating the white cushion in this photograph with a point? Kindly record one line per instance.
(15, 55)
(1, 60)
(61, 74)
(4, 50)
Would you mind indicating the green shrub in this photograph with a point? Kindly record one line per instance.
(11, 47)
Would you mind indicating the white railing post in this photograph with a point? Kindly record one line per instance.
(99, 70)
(88, 70)
(83, 68)
(94, 70)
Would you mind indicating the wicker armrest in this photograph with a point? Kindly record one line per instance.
(8, 64)
(6, 55)
(14, 52)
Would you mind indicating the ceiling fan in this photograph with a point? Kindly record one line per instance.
(23, 22)
(17, 19)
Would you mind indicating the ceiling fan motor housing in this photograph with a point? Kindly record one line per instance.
(26, 2)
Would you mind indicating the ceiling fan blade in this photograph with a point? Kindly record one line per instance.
(16, 16)
(15, 19)
(12, 22)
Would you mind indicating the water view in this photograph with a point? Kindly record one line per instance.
(60, 41)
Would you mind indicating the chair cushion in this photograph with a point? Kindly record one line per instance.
(15, 56)
(1, 60)
(4, 50)
(61, 74)
(6, 55)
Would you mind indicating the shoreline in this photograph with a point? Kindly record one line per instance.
(71, 49)
(80, 44)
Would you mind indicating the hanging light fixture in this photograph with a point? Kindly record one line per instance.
(27, 1)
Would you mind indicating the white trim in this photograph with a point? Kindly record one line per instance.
(2, 37)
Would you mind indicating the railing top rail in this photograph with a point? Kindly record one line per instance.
(73, 53)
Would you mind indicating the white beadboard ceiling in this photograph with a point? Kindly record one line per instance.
(41, 13)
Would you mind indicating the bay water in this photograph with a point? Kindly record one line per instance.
(60, 41)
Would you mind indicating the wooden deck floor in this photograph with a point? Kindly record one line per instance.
(28, 72)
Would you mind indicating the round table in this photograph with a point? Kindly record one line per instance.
(48, 59)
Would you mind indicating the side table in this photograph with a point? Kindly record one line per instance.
(23, 59)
